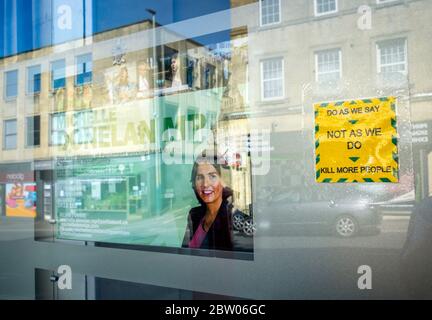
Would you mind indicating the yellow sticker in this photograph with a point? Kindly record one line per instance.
(356, 141)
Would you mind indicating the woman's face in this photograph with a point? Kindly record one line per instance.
(208, 183)
(174, 64)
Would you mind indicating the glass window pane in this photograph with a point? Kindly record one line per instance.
(11, 84)
(325, 6)
(58, 74)
(33, 131)
(114, 150)
(328, 65)
(10, 142)
(270, 12)
(83, 130)
(84, 69)
(10, 134)
(272, 78)
(34, 79)
(392, 56)
(10, 127)
(58, 129)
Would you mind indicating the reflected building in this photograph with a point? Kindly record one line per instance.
(123, 92)
(130, 91)
(109, 126)
(376, 50)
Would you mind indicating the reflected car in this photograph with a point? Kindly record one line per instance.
(244, 223)
(283, 215)
(400, 206)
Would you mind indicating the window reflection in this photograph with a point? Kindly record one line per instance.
(100, 132)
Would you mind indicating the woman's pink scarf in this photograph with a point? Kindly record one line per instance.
(198, 237)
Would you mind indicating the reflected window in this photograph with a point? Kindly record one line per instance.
(272, 81)
(58, 74)
(34, 79)
(84, 69)
(109, 195)
(58, 128)
(209, 76)
(170, 68)
(33, 131)
(11, 87)
(392, 57)
(83, 128)
(10, 134)
(270, 12)
(325, 7)
(328, 65)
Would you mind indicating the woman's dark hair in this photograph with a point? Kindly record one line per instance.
(218, 162)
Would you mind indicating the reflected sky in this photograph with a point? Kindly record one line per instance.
(32, 24)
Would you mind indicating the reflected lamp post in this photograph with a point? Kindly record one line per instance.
(153, 14)
(156, 114)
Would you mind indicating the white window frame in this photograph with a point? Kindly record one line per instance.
(33, 92)
(77, 67)
(325, 13)
(86, 127)
(261, 16)
(51, 129)
(262, 79)
(6, 135)
(378, 55)
(27, 132)
(52, 74)
(316, 63)
(5, 85)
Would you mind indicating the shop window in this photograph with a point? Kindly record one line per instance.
(83, 127)
(34, 79)
(209, 76)
(10, 134)
(270, 12)
(33, 131)
(191, 65)
(272, 79)
(323, 7)
(11, 87)
(328, 66)
(84, 67)
(392, 58)
(104, 194)
(172, 70)
(58, 128)
(58, 74)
